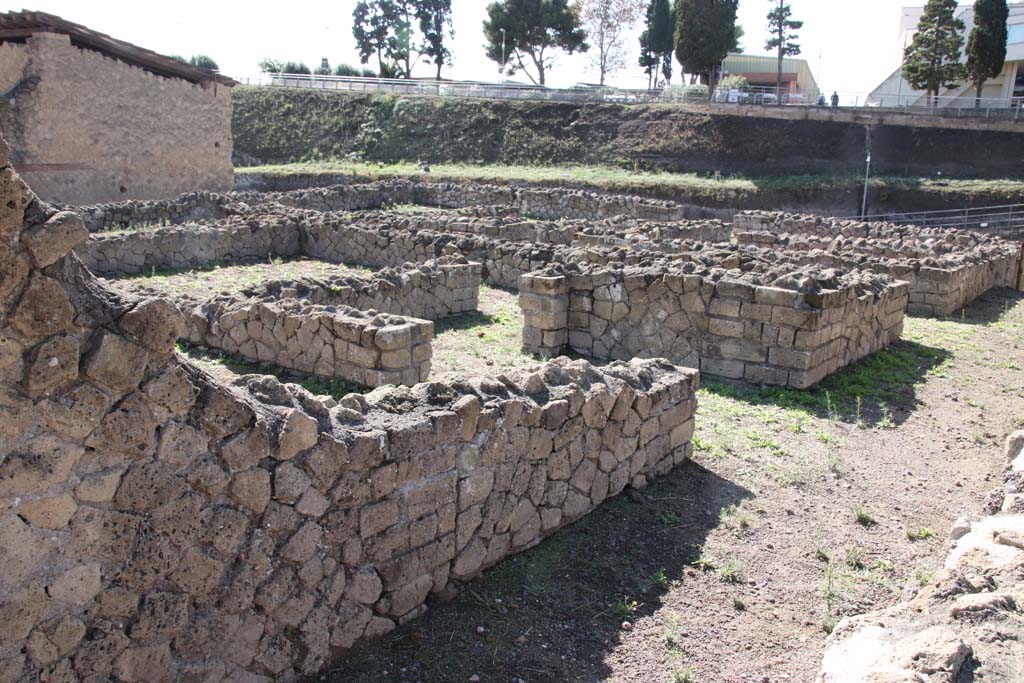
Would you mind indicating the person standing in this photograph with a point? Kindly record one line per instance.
(835, 99)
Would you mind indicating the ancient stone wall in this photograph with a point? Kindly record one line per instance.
(946, 269)
(92, 128)
(432, 290)
(158, 525)
(726, 328)
(191, 245)
(369, 349)
(537, 203)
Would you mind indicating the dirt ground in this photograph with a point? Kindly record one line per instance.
(196, 284)
(797, 509)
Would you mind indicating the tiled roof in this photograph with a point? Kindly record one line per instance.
(14, 25)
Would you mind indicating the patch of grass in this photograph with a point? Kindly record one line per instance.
(729, 571)
(686, 675)
(735, 519)
(864, 516)
(787, 476)
(704, 563)
(921, 533)
(625, 607)
(855, 557)
(923, 576)
(668, 518)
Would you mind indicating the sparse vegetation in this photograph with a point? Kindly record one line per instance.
(864, 516)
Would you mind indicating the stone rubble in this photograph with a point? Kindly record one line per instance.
(157, 525)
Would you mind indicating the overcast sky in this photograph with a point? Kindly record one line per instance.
(851, 45)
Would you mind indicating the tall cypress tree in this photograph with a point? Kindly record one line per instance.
(932, 60)
(658, 40)
(986, 47)
(782, 39)
(705, 31)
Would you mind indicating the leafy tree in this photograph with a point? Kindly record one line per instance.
(932, 60)
(383, 28)
(782, 39)
(606, 23)
(435, 19)
(178, 58)
(705, 31)
(658, 40)
(534, 29)
(204, 62)
(296, 68)
(271, 66)
(986, 46)
(351, 71)
(738, 34)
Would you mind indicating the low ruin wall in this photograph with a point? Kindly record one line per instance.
(191, 245)
(431, 290)
(370, 350)
(543, 203)
(158, 525)
(726, 328)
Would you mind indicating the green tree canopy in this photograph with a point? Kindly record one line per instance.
(383, 28)
(986, 46)
(705, 31)
(435, 19)
(204, 62)
(658, 40)
(534, 31)
(782, 37)
(932, 60)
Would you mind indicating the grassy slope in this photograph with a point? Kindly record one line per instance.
(711, 190)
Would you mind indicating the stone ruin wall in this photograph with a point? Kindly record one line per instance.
(368, 349)
(727, 328)
(538, 203)
(157, 525)
(731, 335)
(373, 330)
(945, 269)
(95, 129)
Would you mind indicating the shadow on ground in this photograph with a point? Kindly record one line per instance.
(991, 307)
(554, 612)
(877, 389)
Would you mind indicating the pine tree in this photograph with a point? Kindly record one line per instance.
(932, 60)
(658, 41)
(782, 31)
(533, 30)
(986, 47)
(705, 31)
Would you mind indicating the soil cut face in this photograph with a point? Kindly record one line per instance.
(798, 508)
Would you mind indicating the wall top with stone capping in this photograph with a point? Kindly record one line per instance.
(810, 285)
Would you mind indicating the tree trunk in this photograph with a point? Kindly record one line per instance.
(977, 96)
(778, 74)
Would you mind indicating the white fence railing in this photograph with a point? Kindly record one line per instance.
(995, 218)
(956, 107)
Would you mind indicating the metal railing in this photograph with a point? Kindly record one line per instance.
(958, 107)
(403, 86)
(994, 218)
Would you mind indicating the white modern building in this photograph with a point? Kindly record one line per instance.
(1005, 90)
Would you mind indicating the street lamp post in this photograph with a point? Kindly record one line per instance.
(864, 203)
(502, 55)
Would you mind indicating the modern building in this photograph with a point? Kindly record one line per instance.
(761, 72)
(93, 119)
(1005, 90)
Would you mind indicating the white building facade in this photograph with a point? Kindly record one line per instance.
(1005, 90)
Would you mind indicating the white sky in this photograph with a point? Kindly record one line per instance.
(854, 42)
